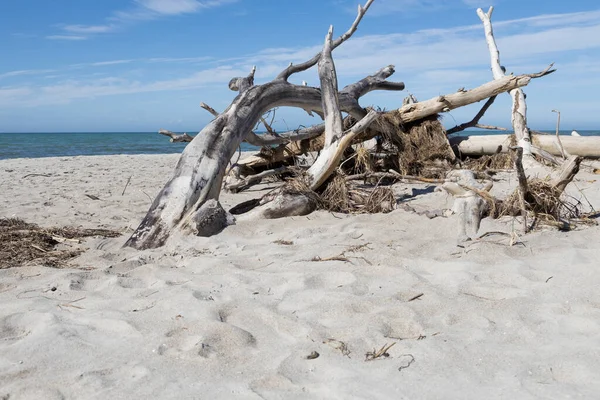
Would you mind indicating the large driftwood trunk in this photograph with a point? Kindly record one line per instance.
(519, 106)
(189, 201)
(200, 170)
(475, 145)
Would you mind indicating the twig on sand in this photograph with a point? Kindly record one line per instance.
(44, 175)
(145, 308)
(415, 297)
(146, 195)
(375, 354)
(342, 255)
(127, 184)
(91, 196)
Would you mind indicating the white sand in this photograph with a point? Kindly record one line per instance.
(235, 315)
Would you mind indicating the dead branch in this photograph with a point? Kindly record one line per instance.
(209, 109)
(475, 121)
(176, 137)
(293, 69)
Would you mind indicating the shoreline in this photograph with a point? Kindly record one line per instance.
(238, 313)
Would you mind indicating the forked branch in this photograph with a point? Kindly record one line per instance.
(293, 69)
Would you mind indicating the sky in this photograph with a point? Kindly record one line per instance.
(144, 65)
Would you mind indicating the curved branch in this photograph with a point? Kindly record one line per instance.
(475, 121)
(293, 69)
(376, 81)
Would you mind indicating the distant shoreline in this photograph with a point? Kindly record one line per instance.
(69, 144)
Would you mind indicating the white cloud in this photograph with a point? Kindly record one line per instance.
(66, 37)
(11, 74)
(170, 7)
(142, 10)
(88, 29)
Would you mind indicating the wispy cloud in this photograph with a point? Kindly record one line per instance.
(101, 63)
(88, 29)
(66, 37)
(179, 60)
(170, 7)
(140, 10)
(12, 74)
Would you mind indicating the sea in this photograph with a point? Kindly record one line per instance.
(36, 145)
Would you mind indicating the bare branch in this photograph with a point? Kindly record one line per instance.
(475, 120)
(250, 180)
(376, 81)
(209, 109)
(176, 137)
(490, 127)
(292, 69)
(286, 137)
(445, 103)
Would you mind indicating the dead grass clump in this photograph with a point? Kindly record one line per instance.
(379, 200)
(24, 243)
(344, 196)
(423, 147)
(336, 196)
(545, 201)
(495, 162)
(363, 162)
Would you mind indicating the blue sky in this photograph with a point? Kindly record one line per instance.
(142, 65)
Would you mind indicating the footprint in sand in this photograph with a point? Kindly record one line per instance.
(206, 340)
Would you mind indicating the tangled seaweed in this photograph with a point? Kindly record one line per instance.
(24, 243)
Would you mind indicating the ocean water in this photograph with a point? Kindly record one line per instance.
(35, 145)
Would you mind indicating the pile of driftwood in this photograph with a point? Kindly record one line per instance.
(344, 163)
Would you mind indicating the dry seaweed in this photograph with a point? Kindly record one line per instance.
(547, 204)
(24, 243)
(423, 147)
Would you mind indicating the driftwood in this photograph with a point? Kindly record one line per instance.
(477, 145)
(189, 201)
(176, 137)
(519, 106)
(474, 123)
(202, 166)
(469, 202)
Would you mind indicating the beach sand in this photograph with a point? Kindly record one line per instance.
(236, 315)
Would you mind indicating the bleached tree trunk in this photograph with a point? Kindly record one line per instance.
(478, 145)
(519, 106)
(189, 201)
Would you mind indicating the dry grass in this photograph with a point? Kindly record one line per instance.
(496, 161)
(423, 147)
(346, 197)
(339, 195)
(24, 243)
(545, 201)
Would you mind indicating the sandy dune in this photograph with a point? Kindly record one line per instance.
(237, 314)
